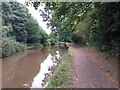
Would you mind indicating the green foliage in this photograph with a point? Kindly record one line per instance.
(19, 29)
(34, 32)
(60, 77)
(34, 46)
(25, 27)
(10, 46)
(81, 34)
(94, 23)
(65, 17)
(53, 39)
(105, 27)
(16, 14)
(97, 24)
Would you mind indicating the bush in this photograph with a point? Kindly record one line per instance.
(35, 46)
(10, 46)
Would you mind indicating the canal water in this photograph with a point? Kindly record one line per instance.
(19, 70)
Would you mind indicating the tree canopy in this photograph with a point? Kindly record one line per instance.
(97, 24)
(19, 28)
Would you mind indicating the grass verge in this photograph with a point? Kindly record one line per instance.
(61, 75)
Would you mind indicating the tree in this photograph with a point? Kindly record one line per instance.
(101, 29)
(19, 28)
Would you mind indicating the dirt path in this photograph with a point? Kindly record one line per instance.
(92, 70)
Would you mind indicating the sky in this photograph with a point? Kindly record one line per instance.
(36, 15)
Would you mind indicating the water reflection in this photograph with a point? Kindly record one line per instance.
(46, 68)
(19, 70)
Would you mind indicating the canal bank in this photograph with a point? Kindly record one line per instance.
(62, 75)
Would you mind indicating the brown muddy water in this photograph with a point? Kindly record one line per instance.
(19, 69)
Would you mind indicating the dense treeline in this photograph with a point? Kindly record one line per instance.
(19, 29)
(96, 24)
(105, 27)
